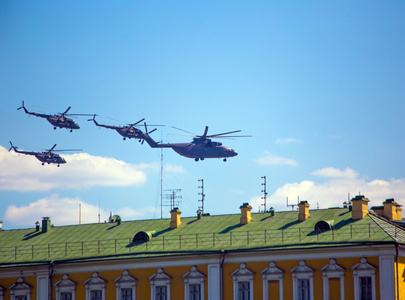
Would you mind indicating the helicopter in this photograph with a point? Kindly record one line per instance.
(130, 131)
(59, 120)
(45, 156)
(201, 147)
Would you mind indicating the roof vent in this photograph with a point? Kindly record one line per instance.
(323, 226)
(46, 224)
(143, 236)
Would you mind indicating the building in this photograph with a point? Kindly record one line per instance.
(337, 253)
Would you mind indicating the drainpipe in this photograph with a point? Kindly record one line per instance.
(223, 254)
(50, 272)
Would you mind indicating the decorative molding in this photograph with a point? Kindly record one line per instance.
(242, 274)
(125, 281)
(193, 277)
(302, 272)
(65, 285)
(333, 270)
(272, 273)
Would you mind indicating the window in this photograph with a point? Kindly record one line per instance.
(160, 285)
(96, 295)
(365, 288)
(242, 283)
(194, 284)
(364, 281)
(126, 294)
(161, 293)
(65, 288)
(303, 289)
(95, 287)
(66, 296)
(243, 290)
(20, 290)
(303, 285)
(272, 273)
(125, 285)
(195, 292)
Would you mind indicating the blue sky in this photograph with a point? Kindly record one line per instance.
(318, 85)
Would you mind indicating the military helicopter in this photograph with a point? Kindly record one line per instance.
(59, 120)
(45, 156)
(130, 131)
(201, 147)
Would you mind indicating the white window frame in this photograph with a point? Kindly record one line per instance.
(193, 277)
(20, 288)
(242, 274)
(65, 285)
(302, 272)
(333, 270)
(1, 293)
(159, 279)
(125, 281)
(363, 269)
(95, 283)
(272, 273)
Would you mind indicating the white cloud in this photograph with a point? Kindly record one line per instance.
(283, 141)
(62, 211)
(25, 173)
(335, 190)
(335, 173)
(270, 159)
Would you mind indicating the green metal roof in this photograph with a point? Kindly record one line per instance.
(208, 234)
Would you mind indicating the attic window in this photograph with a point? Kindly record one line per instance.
(323, 226)
(142, 236)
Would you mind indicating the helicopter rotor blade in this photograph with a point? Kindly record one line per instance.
(225, 133)
(193, 134)
(66, 111)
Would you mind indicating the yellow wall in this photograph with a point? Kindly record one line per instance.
(401, 278)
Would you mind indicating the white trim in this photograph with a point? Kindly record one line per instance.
(214, 281)
(20, 288)
(125, 281)
(1, 293)
(65, 285)
(387, 279)
(95, 283)
(193, 277)
(333, 270)
(272, 273)
(302, 272)
(159, 279)
(363, 269)
(242, 274)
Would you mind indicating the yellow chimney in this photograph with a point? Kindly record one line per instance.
(175, 218)
(303, 211)
(392, 210)
(246, 215)
(360, 207)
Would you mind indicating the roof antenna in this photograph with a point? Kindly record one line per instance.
(202, 196)
(293, 205)
(264, 191)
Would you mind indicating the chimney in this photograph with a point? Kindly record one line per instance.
(175, 218)
(37, 227)
(303, 208)
(360, 207)
(1, 225)
(246, 215)
(46, 224)
(392, 210)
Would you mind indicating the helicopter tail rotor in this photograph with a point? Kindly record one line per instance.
(12, 147)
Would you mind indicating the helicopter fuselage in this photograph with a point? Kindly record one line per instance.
(50, 158)
(62, 122)
(130, 132)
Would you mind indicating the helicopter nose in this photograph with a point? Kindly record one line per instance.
(233, 152)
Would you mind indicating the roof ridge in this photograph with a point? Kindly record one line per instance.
(393, 233)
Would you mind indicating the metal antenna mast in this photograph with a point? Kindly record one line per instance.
(264, 191)
(161, 183)
(202, 195)
(293, 205)
(172, 198)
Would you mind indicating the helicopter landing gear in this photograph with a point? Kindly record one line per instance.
(224, 159)
(71, 130)
(58, 165)
(196, 159)
(54, 128)
(124, 139)
(43, 163)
